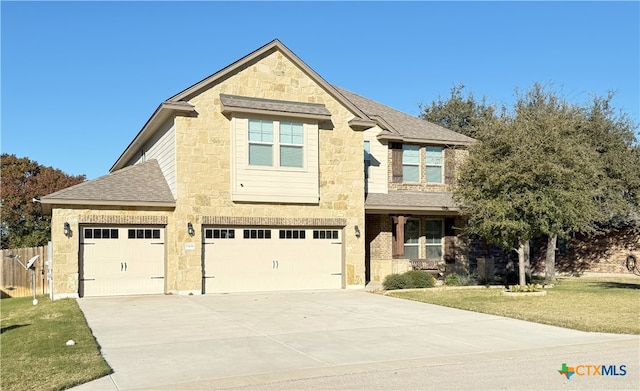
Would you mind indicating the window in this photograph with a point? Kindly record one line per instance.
(412, 239)
(216, 233)
(257, 234)
(410, 163)
(325, 234)
(101, 233)
(434, 234)
(291, 144)
(434, 164)
(292, 234)
(289, 148)
(144, 233)
(260, 142)
(367, 158)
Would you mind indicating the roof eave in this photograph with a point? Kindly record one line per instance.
(49, 203)
(271, 46)
(160, 116)
(435, 210)
(361, 124)
(393, 137)
(246, 110)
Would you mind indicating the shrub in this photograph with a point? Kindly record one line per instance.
(460, 280)
(408, 280)
(421, 279)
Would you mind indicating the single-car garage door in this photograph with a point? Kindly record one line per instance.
(121, 261)
(243, 259)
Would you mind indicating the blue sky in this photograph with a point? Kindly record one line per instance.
(80, 79)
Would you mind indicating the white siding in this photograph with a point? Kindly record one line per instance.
(161, 147)
(273, 184)
(378, 171)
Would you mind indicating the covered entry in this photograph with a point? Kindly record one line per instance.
(121, 260)
(242, 259)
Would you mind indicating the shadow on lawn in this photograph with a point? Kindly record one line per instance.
(619, 285)
(13, 326)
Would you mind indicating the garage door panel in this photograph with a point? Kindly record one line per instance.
(283, 259)
(122, 261)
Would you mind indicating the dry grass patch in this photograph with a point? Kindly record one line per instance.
(610, 305)
(34, 351)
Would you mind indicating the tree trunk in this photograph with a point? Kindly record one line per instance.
(550, 261)
(527, 259)
(521, 263)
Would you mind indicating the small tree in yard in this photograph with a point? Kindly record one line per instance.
(533, 174)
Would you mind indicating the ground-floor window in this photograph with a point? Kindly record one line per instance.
(434, 232)
(412, 239)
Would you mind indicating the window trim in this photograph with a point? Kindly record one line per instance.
(416, 164)
(276, 144)
(442, 237)
(427, 165)
(406, 237)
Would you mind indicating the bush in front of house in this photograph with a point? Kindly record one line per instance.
(408, 280)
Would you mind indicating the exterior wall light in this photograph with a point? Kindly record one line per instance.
(67, 229)
(190, 229)
(357, 229)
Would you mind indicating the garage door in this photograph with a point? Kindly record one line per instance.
(243, 259)
(121, 261)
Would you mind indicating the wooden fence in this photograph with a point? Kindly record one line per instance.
(15, 280)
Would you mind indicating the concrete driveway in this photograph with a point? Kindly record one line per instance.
(338, 340)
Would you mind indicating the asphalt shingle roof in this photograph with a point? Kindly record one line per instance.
(245, 102)
(140, 183)
(410, 199)
(402, 124)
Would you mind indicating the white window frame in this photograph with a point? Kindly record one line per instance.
(439, 245)
(417, 243)
(276, 145)
(433, 163)
(410, 147)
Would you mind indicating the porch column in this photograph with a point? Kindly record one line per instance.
(397, 250)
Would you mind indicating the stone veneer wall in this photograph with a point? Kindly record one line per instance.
(203, 169)
(66, 250)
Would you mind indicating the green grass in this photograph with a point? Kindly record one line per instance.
(34, 353)
(610, 305)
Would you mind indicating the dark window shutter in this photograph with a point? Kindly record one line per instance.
(449, 241)
(396, 162)
(449, 166)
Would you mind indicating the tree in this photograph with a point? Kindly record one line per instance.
(461, 114)
(23, 223)
(533, 174)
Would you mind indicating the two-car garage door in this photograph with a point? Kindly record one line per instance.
(242, 259)
(121, 260)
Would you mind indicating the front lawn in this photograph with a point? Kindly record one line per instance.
(35, 355)
(610, 305)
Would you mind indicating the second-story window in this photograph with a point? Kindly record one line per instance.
(291, 144)
(410, 163)
(367, 158)
(276, 143)
(433, 165)
(260, 142)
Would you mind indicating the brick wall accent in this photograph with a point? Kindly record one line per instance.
(119, 219)
(274, 221)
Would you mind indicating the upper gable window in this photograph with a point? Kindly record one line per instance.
(410, 163)
(434, 164)
(287, 151)
(260, 142)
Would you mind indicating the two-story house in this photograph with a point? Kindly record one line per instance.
(263, 176)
